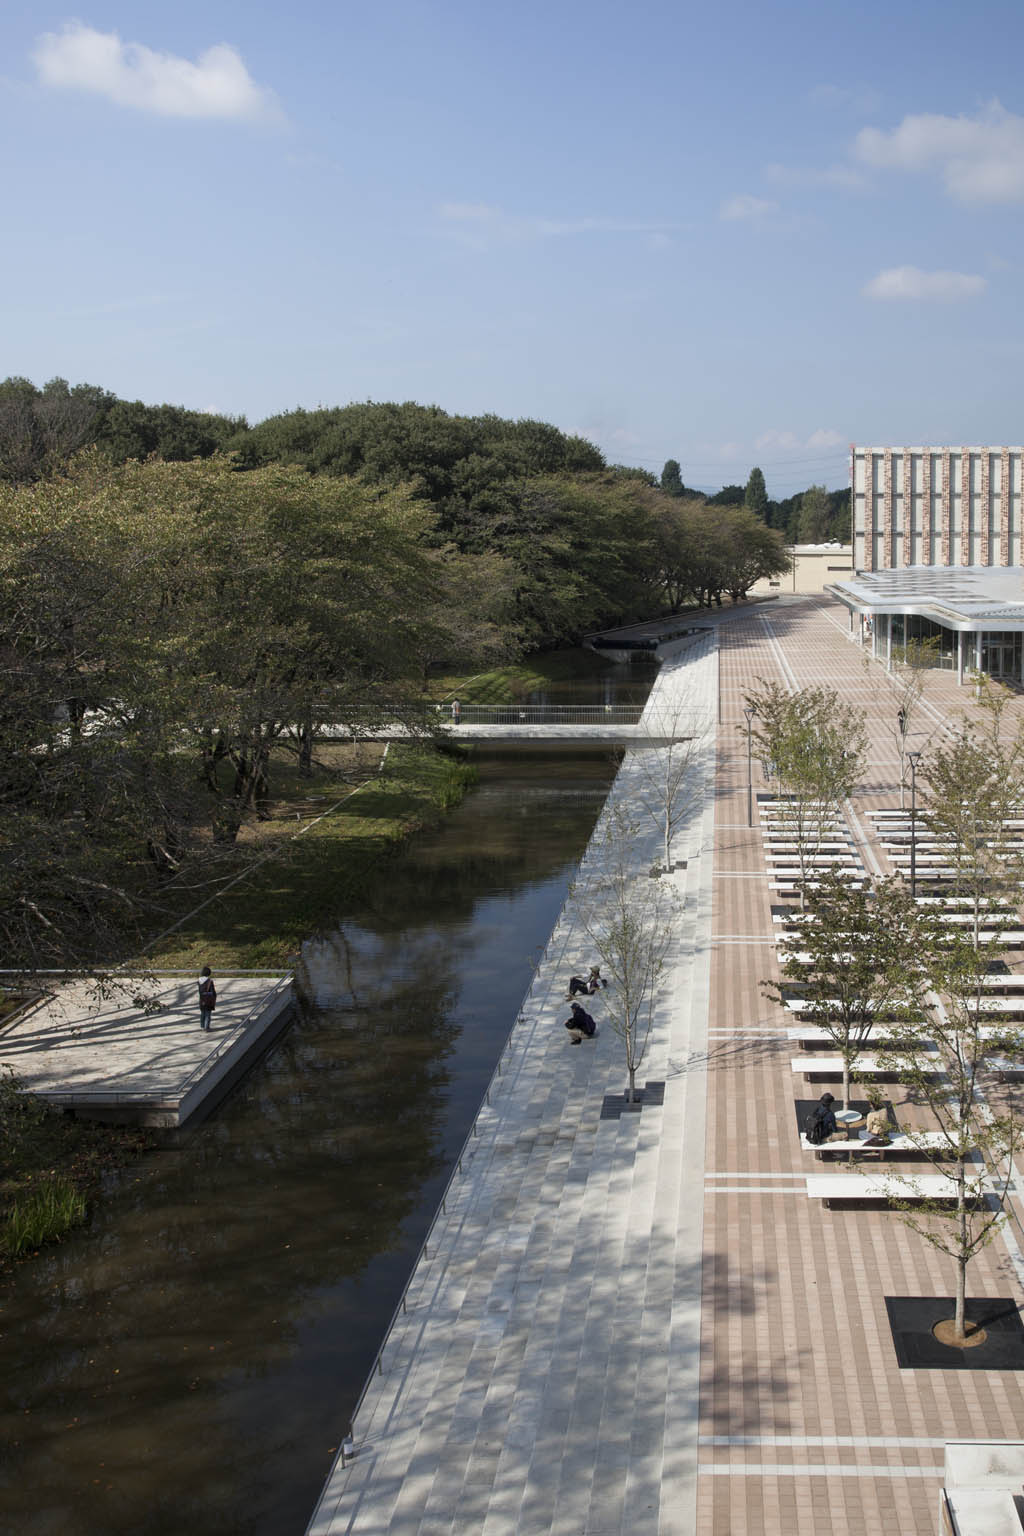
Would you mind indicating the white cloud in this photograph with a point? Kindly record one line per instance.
(747, 207)
(912, 283)
(980, 159)
(482, 225)
(820, 441)
(132, 75)
(857, 98)
(844, 176)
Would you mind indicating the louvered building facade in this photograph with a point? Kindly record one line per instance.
(936, 506)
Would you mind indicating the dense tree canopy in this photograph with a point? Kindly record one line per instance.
(162, 626)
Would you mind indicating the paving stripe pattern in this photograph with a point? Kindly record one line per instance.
(643, 1324)
(544, 1376)
(796, 1349)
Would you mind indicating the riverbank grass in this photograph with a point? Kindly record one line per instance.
(50, 1166)
(326, 837)
(530, 675)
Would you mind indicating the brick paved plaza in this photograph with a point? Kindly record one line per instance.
(644, 1325)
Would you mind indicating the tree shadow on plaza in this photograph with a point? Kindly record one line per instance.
(748, 1376)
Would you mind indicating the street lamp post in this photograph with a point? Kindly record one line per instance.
(901, 726)
(913, 758)
(750, 712)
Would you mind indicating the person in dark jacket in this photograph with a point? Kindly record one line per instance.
(580, 1024)
(207, 998)
(824, 1117)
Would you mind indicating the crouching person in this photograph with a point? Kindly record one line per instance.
(580, 1025)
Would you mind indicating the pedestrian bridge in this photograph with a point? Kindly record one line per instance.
(616, 725)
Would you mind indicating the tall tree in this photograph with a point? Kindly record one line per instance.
(750, 551)
(755, 497)
(156, 618)
(815, 516)
(672, 479)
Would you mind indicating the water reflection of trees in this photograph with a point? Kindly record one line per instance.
(189, 1360)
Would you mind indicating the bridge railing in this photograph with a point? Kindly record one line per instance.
(544, 714)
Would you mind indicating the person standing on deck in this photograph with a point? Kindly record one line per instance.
(207, 998)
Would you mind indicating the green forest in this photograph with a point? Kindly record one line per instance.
(186, 600)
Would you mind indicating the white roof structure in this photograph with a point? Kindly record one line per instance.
(967, 598)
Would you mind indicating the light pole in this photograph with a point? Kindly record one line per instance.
(901, 727)
(750, 712)
(913, 758)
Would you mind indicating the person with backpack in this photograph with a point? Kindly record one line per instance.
(580, 1024)
(207, 998)
(821, 1123)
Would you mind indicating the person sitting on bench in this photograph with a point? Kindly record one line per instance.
(822, 1125)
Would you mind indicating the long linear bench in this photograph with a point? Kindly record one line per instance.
(838, 1188)
(861, 1067)
(811, 1039)
(791, 886)
(806, 1005)
(901, 1144)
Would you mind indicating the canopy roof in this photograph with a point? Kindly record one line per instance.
(968, 598)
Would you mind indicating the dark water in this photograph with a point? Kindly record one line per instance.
(189, 1361)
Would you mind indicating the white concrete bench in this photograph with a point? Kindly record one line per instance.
(862, 1066)
(805, 1005)
(1007, 1067)
(791, 887)
(811, 1039)
(901, 1143)
(836, 1188)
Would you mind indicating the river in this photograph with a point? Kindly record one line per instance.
(188, 1361)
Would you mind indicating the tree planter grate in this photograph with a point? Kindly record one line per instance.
(615, 1105)
(912, 1318)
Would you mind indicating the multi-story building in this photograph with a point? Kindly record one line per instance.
(938, 551)
(935, 506)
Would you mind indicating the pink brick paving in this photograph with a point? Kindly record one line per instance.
(795, 1340)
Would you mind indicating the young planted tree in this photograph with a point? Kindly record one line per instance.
(629, 921)
(668, 774)
(975, 1144)
(859, 963)
(817, 747)
(975, 785)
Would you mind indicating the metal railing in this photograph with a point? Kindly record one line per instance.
(544, 714)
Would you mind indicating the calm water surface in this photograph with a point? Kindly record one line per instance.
(189, 1361)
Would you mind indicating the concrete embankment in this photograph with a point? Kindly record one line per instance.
(541, 1372)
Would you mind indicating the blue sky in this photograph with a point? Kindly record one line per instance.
(729, 235)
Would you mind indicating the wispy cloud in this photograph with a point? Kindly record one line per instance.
(745, 206)
(482, 225)
(132, 75)
(862, 99)
(846, 177)
(913, 283)
(819, 442)
(980, 159)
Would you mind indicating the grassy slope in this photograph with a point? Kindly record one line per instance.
(353, 819)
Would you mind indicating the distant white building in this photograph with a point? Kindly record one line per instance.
(814, 567)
